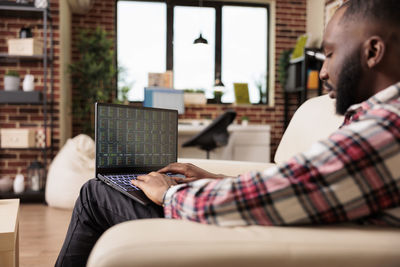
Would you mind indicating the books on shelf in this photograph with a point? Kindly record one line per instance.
(298, 51)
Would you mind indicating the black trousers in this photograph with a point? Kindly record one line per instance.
(97, 208)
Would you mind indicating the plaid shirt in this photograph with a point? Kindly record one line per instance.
(354, 175)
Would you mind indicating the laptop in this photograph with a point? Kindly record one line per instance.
(132, 141)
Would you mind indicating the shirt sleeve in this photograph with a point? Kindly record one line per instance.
(352, 174)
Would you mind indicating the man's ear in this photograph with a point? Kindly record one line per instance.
(374, 50)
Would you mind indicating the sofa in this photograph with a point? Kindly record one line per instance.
(162, 242)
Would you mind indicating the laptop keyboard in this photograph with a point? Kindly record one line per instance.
(124, 181)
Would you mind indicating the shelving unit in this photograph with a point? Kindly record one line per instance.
(43, 98)
(300, 68)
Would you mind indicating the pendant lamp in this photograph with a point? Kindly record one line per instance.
(200, 40)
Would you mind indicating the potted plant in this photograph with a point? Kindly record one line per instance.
(218, 96)
(92, 75)
(194, 97)
(283, 65)
(262, 86)
(11, 80)
(244, 120)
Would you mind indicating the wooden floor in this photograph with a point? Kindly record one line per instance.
(42, 232)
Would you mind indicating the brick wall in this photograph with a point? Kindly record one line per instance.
(16, 116)
(291, 22)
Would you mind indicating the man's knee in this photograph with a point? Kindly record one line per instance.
(90, 189)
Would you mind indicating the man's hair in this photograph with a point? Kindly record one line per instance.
(381, 11)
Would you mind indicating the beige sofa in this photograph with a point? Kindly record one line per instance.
(164, 242)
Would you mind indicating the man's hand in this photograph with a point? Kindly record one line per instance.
(191, 172)
(154, 185)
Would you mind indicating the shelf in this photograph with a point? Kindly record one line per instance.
(27, 148)
(21, 97)
(297, 60)
(11, 9)
(4, 57)
(41, 18)
(25, 197)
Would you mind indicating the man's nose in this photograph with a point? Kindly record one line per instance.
(323, 74)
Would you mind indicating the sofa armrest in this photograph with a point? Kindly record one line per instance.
(162, 242)
(227, 167)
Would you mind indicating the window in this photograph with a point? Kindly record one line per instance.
(155, 37)
(193, 64)
(141, 38)
(244, 57)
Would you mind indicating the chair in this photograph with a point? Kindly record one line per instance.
(214, 135)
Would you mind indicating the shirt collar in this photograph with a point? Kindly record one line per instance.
(383, 96)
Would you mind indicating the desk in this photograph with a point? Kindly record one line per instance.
(9, 247)
(246, 143)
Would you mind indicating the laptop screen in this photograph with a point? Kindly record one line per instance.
(134, 138)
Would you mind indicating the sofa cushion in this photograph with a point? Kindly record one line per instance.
(313, 121)
(162, 242)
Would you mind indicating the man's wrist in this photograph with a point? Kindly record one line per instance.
(164, 195)
(221, 176)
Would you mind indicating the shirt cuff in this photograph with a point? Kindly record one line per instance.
(167, 199)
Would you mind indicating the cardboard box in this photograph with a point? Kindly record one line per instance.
(25, 47)
(194, 99)
(17, 138)
(164, 79)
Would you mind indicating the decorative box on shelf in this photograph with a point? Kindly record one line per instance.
(25, 138)
(40, 138)
(17, 138)
(25, 47)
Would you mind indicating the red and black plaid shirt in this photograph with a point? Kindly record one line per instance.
(354, 175)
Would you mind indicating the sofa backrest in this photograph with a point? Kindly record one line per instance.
(314, 120)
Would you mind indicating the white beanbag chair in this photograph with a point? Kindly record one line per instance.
(70, 169)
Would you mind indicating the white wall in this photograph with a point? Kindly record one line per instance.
(315, 21)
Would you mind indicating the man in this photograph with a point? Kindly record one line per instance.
(354, 175)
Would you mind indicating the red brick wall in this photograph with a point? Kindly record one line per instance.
(16, 116)
(291, 22)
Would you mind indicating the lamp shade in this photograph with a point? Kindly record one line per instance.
(200, 40)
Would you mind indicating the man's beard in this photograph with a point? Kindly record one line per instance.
(348, 82)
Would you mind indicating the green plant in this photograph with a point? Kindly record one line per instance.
(261, 83)
(199, 91)
(283, 65)
(123, 87)
(92, 75)
(12, 73)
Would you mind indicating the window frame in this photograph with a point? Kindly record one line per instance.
(170, 4)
